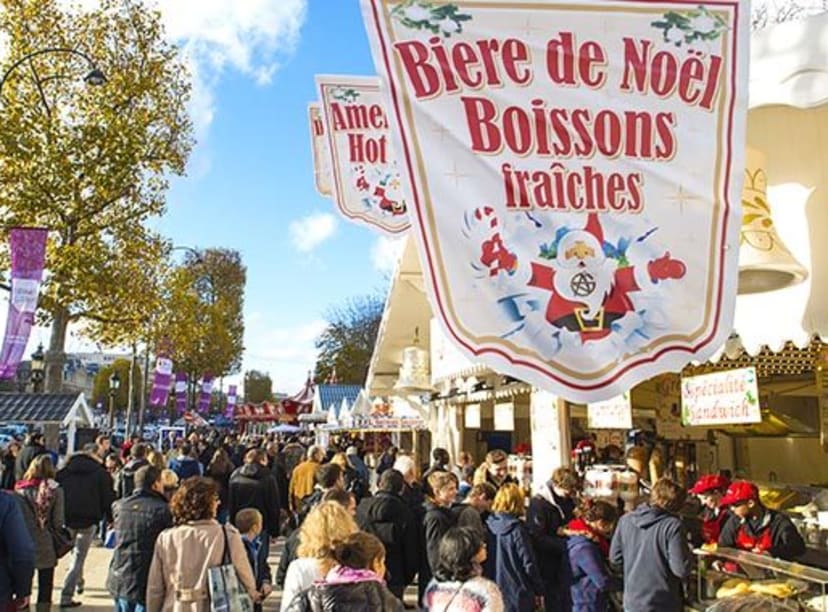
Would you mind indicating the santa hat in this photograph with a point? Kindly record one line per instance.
(593, 226)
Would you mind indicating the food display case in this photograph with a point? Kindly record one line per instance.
(731, 580)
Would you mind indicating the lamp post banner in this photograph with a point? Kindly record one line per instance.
(161, 382)
(27, 248)
(181, 392)
(366, 178)
(230, 410)
(573, 173)
(205, 394)
(321, 151)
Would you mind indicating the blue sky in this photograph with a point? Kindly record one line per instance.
(250, 179)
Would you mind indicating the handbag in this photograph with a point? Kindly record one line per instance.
(62, 541)
(226, 592)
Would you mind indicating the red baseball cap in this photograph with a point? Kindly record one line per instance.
(739, 492)
(709, 482)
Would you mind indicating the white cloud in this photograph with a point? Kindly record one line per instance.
(309, 232)
(385, 253)
(248, 36)
(287, 354)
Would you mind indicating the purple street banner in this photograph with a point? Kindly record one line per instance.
(366, 177)
(161, 382)
(206, 394)
(181, 392)
(321, 152)
(230, 410)
(28, 256)
(573, 173)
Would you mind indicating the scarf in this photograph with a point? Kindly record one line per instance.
(42, 500)
(582, 526)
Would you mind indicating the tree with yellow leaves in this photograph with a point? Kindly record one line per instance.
(90, 163)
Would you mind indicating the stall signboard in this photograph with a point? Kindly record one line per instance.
(471, 416)
(615, 413)
(668, 411)
(574, 172)
(367, 187)
(319, 149)
(504, 416)
(723, 398)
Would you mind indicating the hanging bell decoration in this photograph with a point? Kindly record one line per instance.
(765, 263)
(414, 372)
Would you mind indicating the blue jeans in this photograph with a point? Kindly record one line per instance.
(125, 605)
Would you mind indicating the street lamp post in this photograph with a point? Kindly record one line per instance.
(114, 383)
(52, 370)
(37, 366)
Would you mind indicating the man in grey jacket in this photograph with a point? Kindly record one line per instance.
(650, 544)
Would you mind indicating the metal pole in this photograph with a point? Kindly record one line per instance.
(143, 405)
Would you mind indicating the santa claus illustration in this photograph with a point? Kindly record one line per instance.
(590, 291)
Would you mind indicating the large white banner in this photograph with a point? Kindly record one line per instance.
(319, 148)
(575, 173)
(367, 187)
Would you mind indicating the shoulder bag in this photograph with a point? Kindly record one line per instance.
(226, 591)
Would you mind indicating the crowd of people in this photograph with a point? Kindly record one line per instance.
(466, 534)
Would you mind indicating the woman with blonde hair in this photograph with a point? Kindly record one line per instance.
(169, 480)
(178, 575)
(326, 526)
(41, 500)
(511, 561)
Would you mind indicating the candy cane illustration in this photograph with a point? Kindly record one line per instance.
(494, 254)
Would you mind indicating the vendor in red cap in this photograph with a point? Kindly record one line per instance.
(710, 489)
(755, 528)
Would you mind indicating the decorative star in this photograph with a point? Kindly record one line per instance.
(441, 132)
(456, 175)
(682, 197)
(529, 29)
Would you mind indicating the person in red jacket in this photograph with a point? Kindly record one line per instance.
(710, 490)
(755, 528)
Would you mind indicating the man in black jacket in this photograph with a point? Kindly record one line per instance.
(253, 486)
(439, 463)
(32, 447)
(88, 497)
(388, 517)
(550, 511)
(138, 520)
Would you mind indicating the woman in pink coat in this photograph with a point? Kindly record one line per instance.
(183, 554)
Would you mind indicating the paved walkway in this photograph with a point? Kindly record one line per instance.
(96, 598)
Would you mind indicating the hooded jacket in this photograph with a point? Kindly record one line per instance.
(253, 486)
(585, 573)
(650, 544)
(345, 590)
(87, 490)
(138, 520)
(125, 480)
(386, 516)
(17, 550)
(511, 563)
